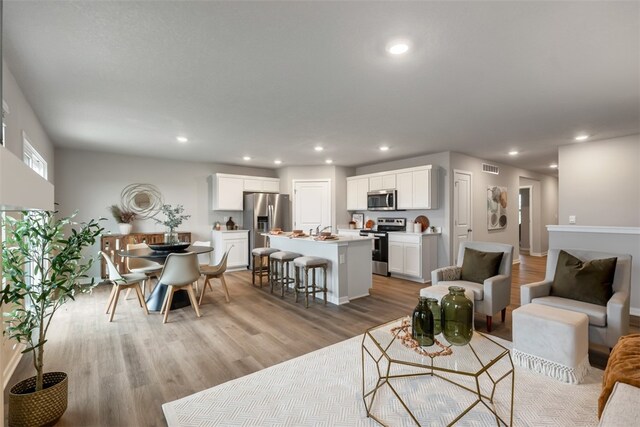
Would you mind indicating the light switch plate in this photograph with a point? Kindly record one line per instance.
(572, 219)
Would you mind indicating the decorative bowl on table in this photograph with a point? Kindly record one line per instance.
(169, 247)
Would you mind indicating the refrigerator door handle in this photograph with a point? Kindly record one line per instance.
(270, 218)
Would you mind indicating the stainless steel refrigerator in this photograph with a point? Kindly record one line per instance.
(263, 212)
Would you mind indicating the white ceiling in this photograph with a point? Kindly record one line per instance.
(273, 79)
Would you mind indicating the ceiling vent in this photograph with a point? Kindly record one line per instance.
(490, 169)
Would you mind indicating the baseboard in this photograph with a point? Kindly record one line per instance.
(516, 261)
(634, 311)
(538, 254)
(12, 365)
(343, 300)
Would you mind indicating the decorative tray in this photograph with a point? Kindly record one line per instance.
(326, 238)
(169, 247)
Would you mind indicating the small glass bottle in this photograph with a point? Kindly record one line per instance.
(457, 316)
(422, 324)
(433, 305)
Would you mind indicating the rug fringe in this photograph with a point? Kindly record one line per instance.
(552, 369)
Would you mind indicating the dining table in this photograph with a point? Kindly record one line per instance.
(155, 299)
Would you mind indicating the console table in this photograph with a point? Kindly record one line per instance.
(112, 243)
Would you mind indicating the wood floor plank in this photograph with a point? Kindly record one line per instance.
(120, 373)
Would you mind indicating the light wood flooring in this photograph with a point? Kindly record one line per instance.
(121, 373)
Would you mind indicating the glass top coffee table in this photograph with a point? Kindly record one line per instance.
(402, 386)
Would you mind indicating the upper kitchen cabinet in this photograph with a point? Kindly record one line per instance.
(417, 188)
(228, 190)
(357, 188)
(261, 185)
(384, 181)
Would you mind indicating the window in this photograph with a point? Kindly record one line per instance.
(32, 158)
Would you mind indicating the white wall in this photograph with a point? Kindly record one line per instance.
(92, 181)
(600, 182)
(22, 118)
(437, 217)
(544, 196)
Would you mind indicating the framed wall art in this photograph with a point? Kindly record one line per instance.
(496, 207)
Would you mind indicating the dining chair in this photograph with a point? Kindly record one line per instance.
(203, 259)
(141, 265)
(121, 282)
(215, 272)
(180, 271)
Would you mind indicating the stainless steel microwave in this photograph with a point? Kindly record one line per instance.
(382, 200)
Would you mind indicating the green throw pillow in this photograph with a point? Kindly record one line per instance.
(478, 266)
(589, 281)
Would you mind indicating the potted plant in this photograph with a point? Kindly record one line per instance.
(173, 220)
(123, 217)
(42, 266)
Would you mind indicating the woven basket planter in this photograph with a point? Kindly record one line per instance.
(28, 408)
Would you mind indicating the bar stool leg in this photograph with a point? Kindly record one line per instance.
(306, 287)
(261, 258)
(285, 278)
(296, 275)
(313, 285)
(253, 270)
(324, 283)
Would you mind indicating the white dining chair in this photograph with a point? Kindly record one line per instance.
(215, 272)
(141, 265)
(180, 272)
(121, 282)
(203, 259)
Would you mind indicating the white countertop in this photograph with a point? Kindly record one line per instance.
(231, 231)
(426, 233)
(340, 239)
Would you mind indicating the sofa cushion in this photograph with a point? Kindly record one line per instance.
(597, 314)
(478, 265)
(476, 288)
(589, 281)
(622, 407)
(623, 366)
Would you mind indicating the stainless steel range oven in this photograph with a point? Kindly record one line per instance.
(380, 243)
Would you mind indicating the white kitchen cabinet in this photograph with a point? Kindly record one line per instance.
(228, 193)
(237, 241)
(228, 190)
(382, 182)
(357, 189)
(413, 256)
(271, 186)
(417, 188)
(404, 186)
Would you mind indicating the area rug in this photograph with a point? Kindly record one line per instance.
(324, 388)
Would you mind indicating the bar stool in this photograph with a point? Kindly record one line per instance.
(260, 254)
(282, 259)
(302, 284)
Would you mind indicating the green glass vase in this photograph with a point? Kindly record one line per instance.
(457, 316)
(433, 305)
(422, 324)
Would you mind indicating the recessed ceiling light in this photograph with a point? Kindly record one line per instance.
(182, 139)
(553, 166)
(277, 162)
(246, 158)
(328, 161)
(513, 153)
(384, 148)
(318, 148)
(398, 48)
(581, 137)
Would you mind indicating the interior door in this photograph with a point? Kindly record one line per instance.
(462, 214)
(311, 205)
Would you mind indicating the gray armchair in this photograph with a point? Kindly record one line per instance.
(606, 324)
(494, 294)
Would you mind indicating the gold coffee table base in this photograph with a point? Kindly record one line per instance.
(474, 360)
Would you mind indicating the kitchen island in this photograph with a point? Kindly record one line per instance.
(349, 271)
